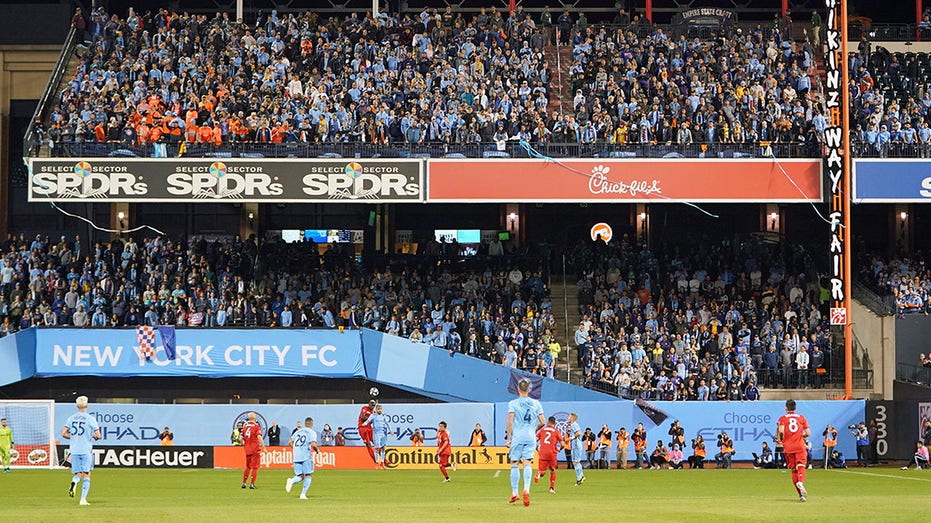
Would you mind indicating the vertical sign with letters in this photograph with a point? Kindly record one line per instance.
(834, 140)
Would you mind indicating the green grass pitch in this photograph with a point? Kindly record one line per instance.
(202, 496)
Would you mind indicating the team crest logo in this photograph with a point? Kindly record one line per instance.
(244, 417)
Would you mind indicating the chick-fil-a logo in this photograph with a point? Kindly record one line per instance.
(599, 183)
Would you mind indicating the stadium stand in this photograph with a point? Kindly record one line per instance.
(433, 298)
(713, 324)
(433, 84)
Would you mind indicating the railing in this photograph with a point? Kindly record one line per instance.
(891, 150)
(880, 305)
(915, 374)
(31, 141)
(888, 32)
(436, 150)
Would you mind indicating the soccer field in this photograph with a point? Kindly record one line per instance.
(393, 495)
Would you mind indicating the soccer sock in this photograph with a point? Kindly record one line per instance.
(515, 478)
(371, 452)
(85, 488)
(295, 479)
(795, 479)
(528, 476)
(245, 475)
(552, 479)
(255, 472)
(75, 479)
(578, 470)
(307, 480)
(801, 473)
(443, 470)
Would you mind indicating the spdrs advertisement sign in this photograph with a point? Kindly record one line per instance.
(229, 179)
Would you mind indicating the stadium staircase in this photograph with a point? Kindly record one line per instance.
(559, 58)
(565, 297)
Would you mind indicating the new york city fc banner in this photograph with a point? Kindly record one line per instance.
(211, 353)
(229, 179)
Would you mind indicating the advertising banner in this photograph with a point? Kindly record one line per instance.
(282, 458)
(891, 181)
(584, 180)
(147, 457)
(749, 424)
(212, 425)
(229, 179)
(468, 458)
(201, 352)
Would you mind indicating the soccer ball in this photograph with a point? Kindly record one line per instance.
(373, 392)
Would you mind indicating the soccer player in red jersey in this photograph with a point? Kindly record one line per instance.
(443, 450)
(253, 444)
(366, 431)
(791, 431)
(549, 441)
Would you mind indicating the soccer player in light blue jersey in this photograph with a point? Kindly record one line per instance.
(379, 424)
(525, 418)
(303, 441)
(81, 429)
(577, 446)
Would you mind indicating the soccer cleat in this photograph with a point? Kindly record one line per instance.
(453, 465)
(243, 485)
(84, 502)
(904, 468)
(252, 486)
(802, 493)
(303, 496)
(526, 499)
(552, 490)
(287, 485)
(580, 481)
(514, 498)
(71, 490)
(536, 478)
(803, 499)
(446, 480)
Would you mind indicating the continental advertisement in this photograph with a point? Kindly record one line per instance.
(283, 458)
(232, 179)
(477, 458)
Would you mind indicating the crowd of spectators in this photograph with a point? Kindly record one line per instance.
(636, 86)
(891, 99)
(499, 311)
(299, 77)
(445, 77)
(713, 321)
(903, 280)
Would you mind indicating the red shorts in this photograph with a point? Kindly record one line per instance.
(253, 461)
(443, 460)
(367, 433)
(794, 459)
(547, 464)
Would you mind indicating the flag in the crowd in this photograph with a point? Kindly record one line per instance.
(512, 6)
(656, 415)
(182, 149)
(167, 332)
(145, 338)
(536, 383)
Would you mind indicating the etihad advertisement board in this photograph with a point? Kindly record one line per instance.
(227, 179)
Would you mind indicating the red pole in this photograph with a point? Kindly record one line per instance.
(917, 19)
(785, 7)
(649, 10)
